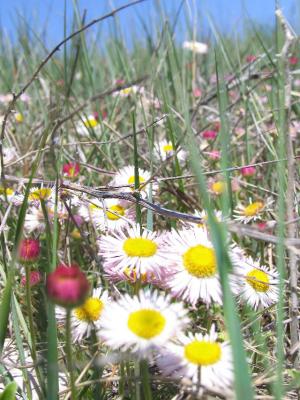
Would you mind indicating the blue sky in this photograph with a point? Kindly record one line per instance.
(227, 14)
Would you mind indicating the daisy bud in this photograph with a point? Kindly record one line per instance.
(34, 278)
(29, 250)
(209, 135)
(67, 286)
(71, 170)
(248, 171)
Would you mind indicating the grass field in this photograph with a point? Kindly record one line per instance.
(149, 213)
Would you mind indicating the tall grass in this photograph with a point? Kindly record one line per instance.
(254, 124)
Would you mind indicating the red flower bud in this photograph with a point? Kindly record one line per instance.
(293, 60)
(29, 250)
(34, 278)
(67, 286)
(248, 171)
(209, 135)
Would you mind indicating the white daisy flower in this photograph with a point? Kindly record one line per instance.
(125, 177)
(115, 215)
(199, 356)
(164, 149)
(129, 91)
(142, 323)
(190, 254)
(86, 317)
(258, 285)
(34, 220)
(132, 250)
(196, 47)
(251, 212)
(6, 193)
(86, 125)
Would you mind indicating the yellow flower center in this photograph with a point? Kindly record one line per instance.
(218, 187)
(19, 117)
(117, 212)
(146, 323)
(40, 194)
(131, 274)
(200, 261)
(126, 91)
(139, 247)
(7, 191)
(90, 310)
(90, 122)
(131, 180)
(202, 352)
(167, 148)
(259, 280)
(253, 209)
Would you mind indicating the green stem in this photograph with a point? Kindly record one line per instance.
(69, 355)
(146, 380)
(31, 325)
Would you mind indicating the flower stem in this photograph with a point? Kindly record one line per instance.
(146, 380)
(69, 355)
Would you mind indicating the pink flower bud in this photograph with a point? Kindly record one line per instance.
(250, 58)
(293, 60)
(71, 170)
(248, 171)
(67, 286)
(197, 92)
(34, 278)
(29, 250)
(209, 135)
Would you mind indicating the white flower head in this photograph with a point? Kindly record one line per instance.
(165, 149)
(142, 323)
(125, 179)
(197, 47)
(131, 250)
(86, 317)
(252, 211)
(86, 125)
(257, 285)
(109, 214)
(199, 355)
(191, 257)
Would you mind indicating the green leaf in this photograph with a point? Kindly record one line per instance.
(9, 392)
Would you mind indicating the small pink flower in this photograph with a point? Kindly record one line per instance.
(250, 58)
(120, 81)
(71, 170)
(214, 154)
(67, 286)
(29, 250)
(197, 92)
(248, 171)
(209, 134)
(34, 278)
(293, 60)
(262, 226)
